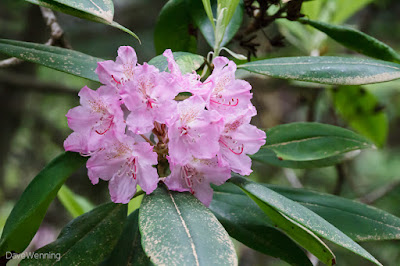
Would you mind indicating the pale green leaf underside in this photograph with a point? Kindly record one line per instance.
(101, 11)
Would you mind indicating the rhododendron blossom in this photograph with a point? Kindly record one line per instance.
(136, 133)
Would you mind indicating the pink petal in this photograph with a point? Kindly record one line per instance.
(126, 56)
(140, 121)
(122, 188)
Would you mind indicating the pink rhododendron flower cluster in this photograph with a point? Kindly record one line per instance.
(136, 133)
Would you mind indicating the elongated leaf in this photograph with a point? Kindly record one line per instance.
(226, 9)
(245, 222)
(203, 23)
(72, 62)
(356, 40)
(101, 11)
(128, 250)
(302, 141)
(326, 69)
(361, 110)
(207, 9)
(28, 213)
(86, 240)
(359, 221)
(300, 214)
(265, 155)
(300, 234)
(187, 62)
(174, 29)
(75, 204)
(178, 229)
(230, 7)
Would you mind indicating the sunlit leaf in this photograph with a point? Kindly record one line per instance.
(75, 204)
(362, 111)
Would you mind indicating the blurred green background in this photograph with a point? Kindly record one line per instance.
(35, 99)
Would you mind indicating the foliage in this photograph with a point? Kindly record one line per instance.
(170, 227)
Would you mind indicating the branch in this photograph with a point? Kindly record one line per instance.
(56, 37)
(341, 176)
(26, 82)
(292, 178)
(56, 32)
(13, 61)
(379, 193)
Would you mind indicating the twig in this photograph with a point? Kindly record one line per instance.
(13, 61)
(148, 140)
(56, 32)
(341, 176)
(56, 37)
(379, 193)
(26, 82)
(292, 178)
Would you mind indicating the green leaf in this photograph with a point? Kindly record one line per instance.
(312, 9)
(29, 211)
(302, 141)
(300, 234)
(347, 9)
(356, 40)
(101, 11)
(359, 221)
(300, 214)
(226, 9)
(65, 60)
(265, 155)
(174, 29)
(326, 69)
(207, 29)
(177, 229)
(207, 9)
(362, 111)
(128, 250)
(86, 240)
(187, 62)
(75, 204)
(256, 230)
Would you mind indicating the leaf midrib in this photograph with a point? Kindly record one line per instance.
(314, 138)
(193, 246)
